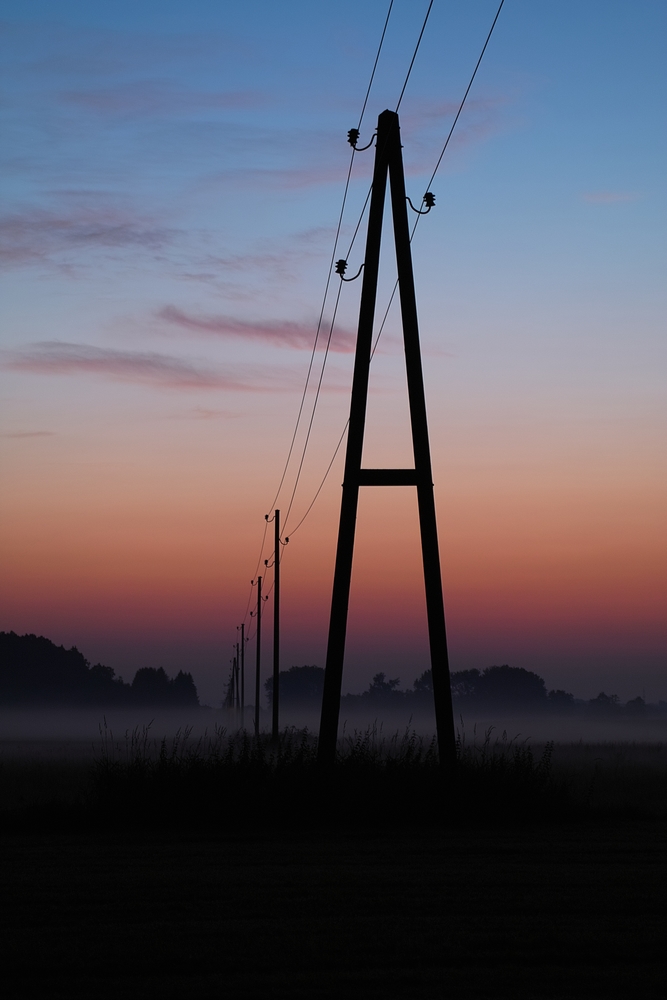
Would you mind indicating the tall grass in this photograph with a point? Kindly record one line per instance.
(236, 779)
(229, 781)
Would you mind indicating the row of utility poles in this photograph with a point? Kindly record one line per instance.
(236, 698)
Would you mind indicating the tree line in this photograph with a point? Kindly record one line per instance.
(494, 688)
(34, 671)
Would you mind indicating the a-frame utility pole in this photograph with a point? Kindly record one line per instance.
(388, 161)
(258, 653)
(275, 717)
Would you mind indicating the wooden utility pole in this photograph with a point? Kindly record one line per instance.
(258, 652)
(388, 163)
(238, 680)
(276, 630)
(242, 627)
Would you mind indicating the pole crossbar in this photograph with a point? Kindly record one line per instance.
(388, 167)
(388, 477)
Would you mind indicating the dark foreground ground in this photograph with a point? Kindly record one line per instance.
(575, 910)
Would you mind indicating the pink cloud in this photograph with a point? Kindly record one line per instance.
(609, 197)
(37, 235)
(148, 368)
(149, 97)
(279, 333)
(29, 434)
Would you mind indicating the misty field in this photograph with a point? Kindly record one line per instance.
(228, 866)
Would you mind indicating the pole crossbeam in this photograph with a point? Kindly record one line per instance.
(387, 477)
(388, 167)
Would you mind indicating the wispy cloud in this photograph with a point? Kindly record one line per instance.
(28, 434)
(204, 413)
(278, 333)
(151, 97)
(37, 235)
(609, 197)
(147, 368)
(427, 124)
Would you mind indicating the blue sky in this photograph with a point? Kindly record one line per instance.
(171, 178)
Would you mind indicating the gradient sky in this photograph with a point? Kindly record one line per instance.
(172, 174)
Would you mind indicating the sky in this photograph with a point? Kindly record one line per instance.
(172, 177)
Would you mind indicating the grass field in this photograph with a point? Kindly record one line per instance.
(240, 902)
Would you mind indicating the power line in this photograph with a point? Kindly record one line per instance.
(315, 402)
(356, 231)
(405, 83)
(333, 257)
(375, 65)
(354, 236)
(414, 54)
(465, 96)
(324, 479)
(395, 288)
(347, 422)
(325, 296)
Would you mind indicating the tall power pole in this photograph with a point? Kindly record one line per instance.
(388, 163)
(258, 652)
(276, 629)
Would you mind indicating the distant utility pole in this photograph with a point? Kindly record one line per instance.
(242, 628)
(258, 614)
(388, 163)
(276, 629)
(238, 679)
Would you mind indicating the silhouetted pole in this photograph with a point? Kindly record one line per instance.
(238, 682)
(242, 627)
(258, 652)
(388, 162)
(276, 629)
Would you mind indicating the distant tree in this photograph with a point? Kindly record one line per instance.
(637, 706)
(423, 685)
(184, 691)
(502, 687)
(604, 703)
(511, 687)
(152, 686)
(464, 683)
(506, 687)
(33, 670)
(561, 701)
(300, 687)
(382, 689)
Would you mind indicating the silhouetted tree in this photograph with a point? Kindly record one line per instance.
(604, 704)
(300, 687)
(561, 701)
(151, 686)
(383, 691)
(511, 687)
(184, 690)
(423, 684)
(465, 683)
(34, 671)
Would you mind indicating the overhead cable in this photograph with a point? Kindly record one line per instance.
(326, 293)
(428, 201)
